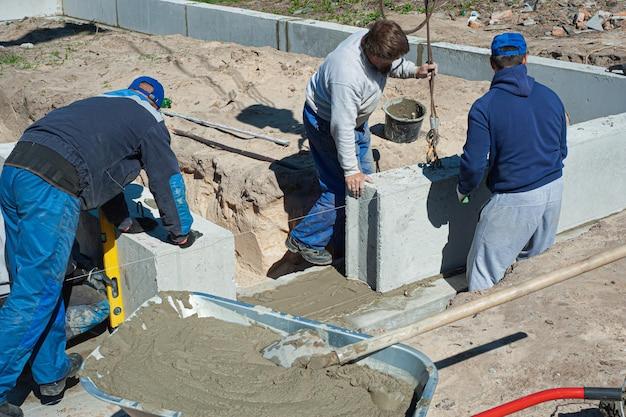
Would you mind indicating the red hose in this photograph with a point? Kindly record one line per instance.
(534, 399)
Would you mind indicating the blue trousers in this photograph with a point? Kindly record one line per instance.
(325, 222)
(40, 223)
(512, 226)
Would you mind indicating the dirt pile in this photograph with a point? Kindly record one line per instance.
(250, 88)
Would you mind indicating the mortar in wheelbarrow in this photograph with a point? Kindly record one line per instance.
(399, 361)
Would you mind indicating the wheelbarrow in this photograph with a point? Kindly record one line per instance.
(399, 361)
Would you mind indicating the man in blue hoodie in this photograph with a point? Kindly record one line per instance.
(78, 157)
(517, 134)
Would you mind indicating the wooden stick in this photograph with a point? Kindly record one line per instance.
(225, 128)
(365, 347)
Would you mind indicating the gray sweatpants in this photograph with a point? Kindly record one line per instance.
(512, 226)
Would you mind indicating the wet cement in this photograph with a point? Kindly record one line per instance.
(406, 110)
(208, 367)
(328, 296)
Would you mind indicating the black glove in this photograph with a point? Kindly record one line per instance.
(140, 225)
(185, 241)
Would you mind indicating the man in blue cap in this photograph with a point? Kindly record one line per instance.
(79, 157)
(517, 134)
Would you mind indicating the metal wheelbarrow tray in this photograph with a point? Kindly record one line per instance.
(400, 361)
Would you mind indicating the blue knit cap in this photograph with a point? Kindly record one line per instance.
(156, 96)
(510, 40)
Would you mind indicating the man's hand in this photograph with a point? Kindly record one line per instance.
(463, 198)
(185, 241)
(427, 71)
(356, 183)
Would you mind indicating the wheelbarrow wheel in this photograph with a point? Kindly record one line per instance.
(610, 408)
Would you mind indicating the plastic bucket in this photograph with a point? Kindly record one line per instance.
(403, 119)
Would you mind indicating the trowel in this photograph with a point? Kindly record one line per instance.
(308, 349)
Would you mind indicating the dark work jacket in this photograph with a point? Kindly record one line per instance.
(109, 139)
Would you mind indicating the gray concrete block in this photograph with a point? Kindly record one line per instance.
(587, 91)
(401, 310)
(315, 38)
(421, 229)
(18, 9)
(101, 11)
(230, 24)
(156, 17)
(208, 266)
(594, 181)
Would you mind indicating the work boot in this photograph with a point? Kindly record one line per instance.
(314, 256)
(56, 388)
(10, 410)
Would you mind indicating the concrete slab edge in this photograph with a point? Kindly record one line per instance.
(14, 10)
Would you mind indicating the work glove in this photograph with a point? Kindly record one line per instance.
(185, 241)
(463, 198)
(134, 225)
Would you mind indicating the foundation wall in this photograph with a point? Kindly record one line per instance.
(588, 92)
(410, 226)
(18, 9)
(149, 264)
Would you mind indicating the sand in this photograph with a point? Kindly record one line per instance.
(208, 367)
(250, 88)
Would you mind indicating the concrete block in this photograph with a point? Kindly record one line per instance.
(230, 24)
(418, 229)
(151, 265)
(315, 38)
(18, 9)
(101, 11)
(594, 182)
(403, 310)
(156, 17)
(587, 91)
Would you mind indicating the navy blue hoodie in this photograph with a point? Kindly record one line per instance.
(517, 131)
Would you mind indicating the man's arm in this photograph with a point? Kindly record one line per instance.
(563, 138)
(403, 68)
(166, 183)
(344, 110)
(474, 161)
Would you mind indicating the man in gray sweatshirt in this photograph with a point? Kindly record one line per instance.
(340, 98)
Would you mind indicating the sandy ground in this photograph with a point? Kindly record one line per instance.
(572, 334)
(251, 88)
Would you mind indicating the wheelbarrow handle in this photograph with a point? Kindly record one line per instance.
(577, 393)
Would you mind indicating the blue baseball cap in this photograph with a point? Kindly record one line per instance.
(513, 42)
(158, 92)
